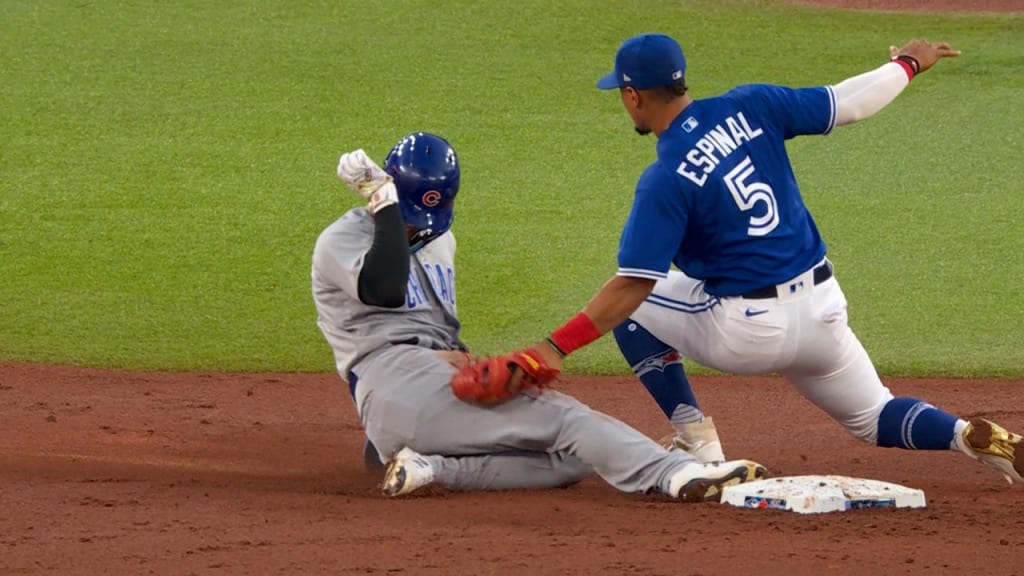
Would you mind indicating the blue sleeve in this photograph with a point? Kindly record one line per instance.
(655, 227)
(789, 111)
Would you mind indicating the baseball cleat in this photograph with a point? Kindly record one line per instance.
(698, 482)
(994, 445)
(407, 472)
(698, 439)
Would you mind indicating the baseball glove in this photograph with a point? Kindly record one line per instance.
(496, 379)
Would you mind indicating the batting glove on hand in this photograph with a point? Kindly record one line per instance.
(368, 179)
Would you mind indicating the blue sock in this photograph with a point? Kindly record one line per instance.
(660, 368)
(911, 424)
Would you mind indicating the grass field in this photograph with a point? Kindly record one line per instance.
(166, 167)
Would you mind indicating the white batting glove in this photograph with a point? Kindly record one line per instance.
(361, 173)
(385, 195)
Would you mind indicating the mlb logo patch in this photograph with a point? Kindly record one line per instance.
(690, 124)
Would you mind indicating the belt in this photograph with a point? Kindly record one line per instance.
(821, 273)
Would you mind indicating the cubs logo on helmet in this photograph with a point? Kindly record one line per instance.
(432, 198)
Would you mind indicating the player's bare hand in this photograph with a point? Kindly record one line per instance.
(926, 53)
(458, 358)
(361, 173)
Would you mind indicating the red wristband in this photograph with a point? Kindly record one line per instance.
(575, 334)
(908, 65)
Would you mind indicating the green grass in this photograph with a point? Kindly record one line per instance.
(165, 168)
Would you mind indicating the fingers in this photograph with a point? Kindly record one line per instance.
(352, 166)
(893, 51)
(945, 50)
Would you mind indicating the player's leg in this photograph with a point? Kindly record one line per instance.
(505, 471)
(727, 334)
(660, 368)
(804, 337)
(410, 404)
(371, 458)
(833, 370)
(679, 316)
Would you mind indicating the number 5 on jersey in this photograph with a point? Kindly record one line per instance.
(747, 193)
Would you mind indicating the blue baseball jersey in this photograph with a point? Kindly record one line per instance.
(721, 201)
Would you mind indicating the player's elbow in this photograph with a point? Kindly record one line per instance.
(386, 298)
(383, 285)
(846, 115)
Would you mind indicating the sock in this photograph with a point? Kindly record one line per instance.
(911, 424)
(660, 368)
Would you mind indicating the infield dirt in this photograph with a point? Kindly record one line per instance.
(105, 472)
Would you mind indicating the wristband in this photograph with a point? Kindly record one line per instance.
(561, 353)
(909, 64)
(574, 334)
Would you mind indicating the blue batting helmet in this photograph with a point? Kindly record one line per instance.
(426, 173)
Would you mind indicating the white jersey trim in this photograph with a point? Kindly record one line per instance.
(832, 110)
(680, 306)
(641, 273)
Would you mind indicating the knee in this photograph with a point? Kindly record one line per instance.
(572, 469)
(864, 425)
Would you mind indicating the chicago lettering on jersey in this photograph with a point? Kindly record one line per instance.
(715, 146)
(414, 295)
(442, 279)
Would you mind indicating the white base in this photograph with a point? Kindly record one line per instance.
(819, 494)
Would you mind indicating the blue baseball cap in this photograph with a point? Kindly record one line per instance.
(646, 61)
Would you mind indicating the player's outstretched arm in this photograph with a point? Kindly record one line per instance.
(865, 95)
(495, 380)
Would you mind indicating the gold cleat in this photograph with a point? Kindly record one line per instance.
(698, 482)
(995, 446)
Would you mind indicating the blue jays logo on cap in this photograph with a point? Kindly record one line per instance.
(646, 61)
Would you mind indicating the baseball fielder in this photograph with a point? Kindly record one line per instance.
(384, 285)
(754, 292)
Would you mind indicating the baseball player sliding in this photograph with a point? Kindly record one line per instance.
(383, 282)
(756, 293)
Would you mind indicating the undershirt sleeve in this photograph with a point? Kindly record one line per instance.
(865, 95)
(385, 271)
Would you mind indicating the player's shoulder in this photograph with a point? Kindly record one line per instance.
(353, 224)
(354, 220)
(747, 92)
(659, 175)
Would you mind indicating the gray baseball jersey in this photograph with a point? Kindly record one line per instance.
(354, 329)
(402, 386)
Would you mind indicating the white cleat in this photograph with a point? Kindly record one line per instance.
(994, 445)
(698, 439)
(698, 482)
(407, 472)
